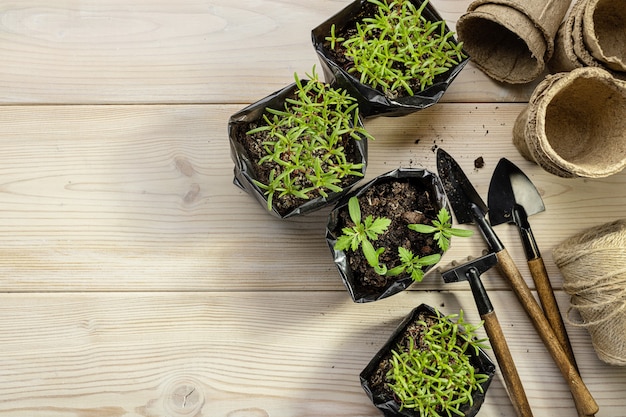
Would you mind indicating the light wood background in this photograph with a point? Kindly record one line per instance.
(137, 280)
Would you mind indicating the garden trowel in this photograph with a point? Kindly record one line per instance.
(471, 271)
(512, 198)
(468, 207)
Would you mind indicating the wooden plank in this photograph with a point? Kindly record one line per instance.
(189, 51)
(139, 281)
(140, 198)
(243, 354)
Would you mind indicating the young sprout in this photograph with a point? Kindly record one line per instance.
(442, 229)
(397, 45)
(361, 235)
(433, 375)
(364, 232)
(304, 145)
(412, 264)
(333, 39)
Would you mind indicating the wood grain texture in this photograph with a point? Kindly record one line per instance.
(188, 51)
(128, 198)
(241, 354)
(138, 281)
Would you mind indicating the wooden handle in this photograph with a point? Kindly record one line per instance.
(551, 311)
(582, 397)
(507, 366)
(549, 305)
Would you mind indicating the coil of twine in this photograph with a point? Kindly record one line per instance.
(593, 265)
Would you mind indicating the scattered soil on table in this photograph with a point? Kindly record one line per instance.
(403, 202)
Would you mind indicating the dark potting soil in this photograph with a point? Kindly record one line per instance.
(404, 203)
(347, 31)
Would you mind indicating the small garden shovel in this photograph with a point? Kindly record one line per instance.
(471, 271)
(468, 207)
(512, 198)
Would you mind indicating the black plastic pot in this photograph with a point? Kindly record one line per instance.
(371, 101)
(389, 406)
(421, 177)
(244, 171)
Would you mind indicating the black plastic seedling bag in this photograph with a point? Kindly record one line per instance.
(425, 179)
(388, 406)
(244, 170)
(371, 101)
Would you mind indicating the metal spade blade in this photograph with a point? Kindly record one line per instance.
(509, 190)
(512, 198)
(468, 206)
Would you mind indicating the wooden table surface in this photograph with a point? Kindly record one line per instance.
(137, 280)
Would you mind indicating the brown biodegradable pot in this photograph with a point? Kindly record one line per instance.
(405, 195)
(511, 40)
(382, 398)
(493, 30)
(575, 124)
(604, 32)
(565, 58)
(591, 36)
(580, 48)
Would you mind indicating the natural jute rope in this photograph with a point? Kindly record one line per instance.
(593, 264)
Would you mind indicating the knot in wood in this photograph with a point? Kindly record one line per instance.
(184, 399)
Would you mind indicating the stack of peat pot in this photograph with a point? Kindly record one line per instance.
(592, 35)
(574, 124)
(511, 40)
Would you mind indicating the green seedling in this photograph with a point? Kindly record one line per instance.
(412, 264)
(433, 375)
(333, 39)
(362, 234)
(442, 229)
(304, 142)
(398, 45)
